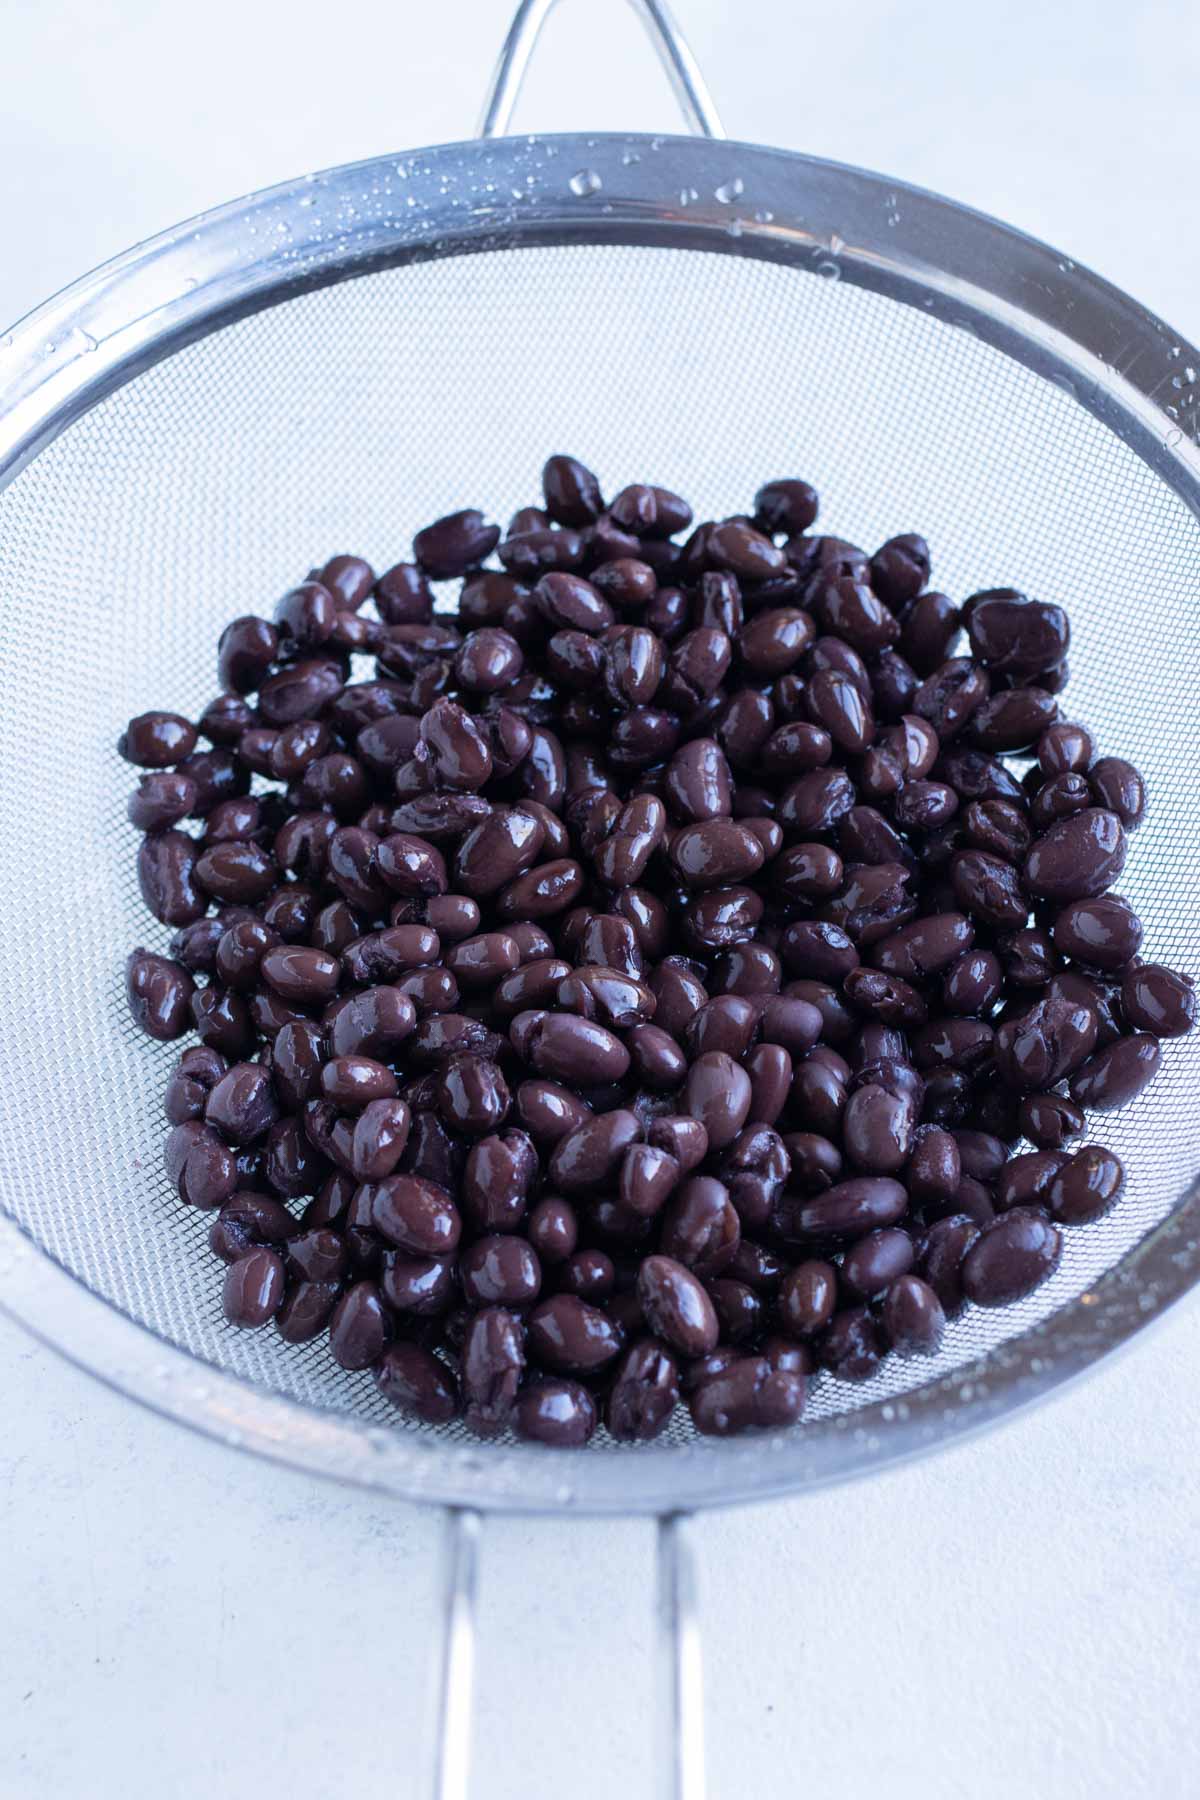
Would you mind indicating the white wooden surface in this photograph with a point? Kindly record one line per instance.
(1016, 1617)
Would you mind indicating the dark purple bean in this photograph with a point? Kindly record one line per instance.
(872, 1264)
(1058, 799)
(934, 1167)
(416, 1215)
(1049, 1120)
(886, 998)
(1011, 1258)
(814, 804)
(1053, 1038)
(644, 1394)
(808, 872)
(927, 631)
(254, 1288)
(786, 507)
(685, 1139)
(569, 1048)
(416, 1383)
(493, 1361)
(949, 697)
(1158, 1001)
(572, 492)
(717, 1093)
(1104, 931)
(306, 1310)
(500, 1271)
(677, 1307)
(647, 1177)
(166, 866)
(988, 888)
(698, 783)
(747, 1394)
(472, 1095)
(852, 1208)
(548, 1111)
(159, 993)
(1077, 858)
(454, 544)
(700, 1226)
(569, 1336)
(818, 950)
(559, 1413)
(1118, 786)
(1086, 1186)
(242, 1105)
(553, 1230)
(877, 1130)
(807, 1299)
(771, 1071)
(925, 947)
(852, 1346)
(1015, 636)
(873, 903)
(657, 1058)
(1117, 1073)
(590, 1156)
(972, 983)
(912, 1317)
(221, 1021)
(941, 1255)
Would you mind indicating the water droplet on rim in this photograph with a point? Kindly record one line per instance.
(729, 190)
(585, 182)
(828, 269)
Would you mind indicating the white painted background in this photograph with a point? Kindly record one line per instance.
(1018, 1617)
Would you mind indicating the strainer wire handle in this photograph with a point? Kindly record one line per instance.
(683, 72)
(680, 1696)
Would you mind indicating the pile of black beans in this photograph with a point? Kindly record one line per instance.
(638, 985)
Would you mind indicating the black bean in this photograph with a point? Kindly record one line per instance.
(677, 1307)
(1117, 1073)
(1086, 1186)
(1104, 931)
(644, 1393)
(1118, 786)
(418, 1384)
(852, 1346)
(1158, 1000)
(1078, 857)
(717, 1093)
(852, 1208)
(360, 1327)
(747, 1394)
(569, 1336)
(912, 1317)
(254, 1288)
(556, 1412)
(1011, 1258)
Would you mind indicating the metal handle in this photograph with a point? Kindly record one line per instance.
(691, 91)
(681, 1686)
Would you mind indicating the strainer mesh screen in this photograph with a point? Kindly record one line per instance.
(344, 419)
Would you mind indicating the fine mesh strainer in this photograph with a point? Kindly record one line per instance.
(327, 365)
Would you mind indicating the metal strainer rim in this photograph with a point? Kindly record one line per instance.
(1021, 296)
